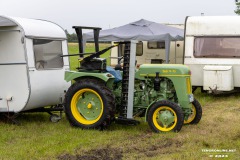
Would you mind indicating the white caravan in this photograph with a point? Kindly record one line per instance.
(153, 53)
(212, 51)
(31, 69)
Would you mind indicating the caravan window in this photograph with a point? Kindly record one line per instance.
(156, 45)
(217, 47)
(47, 54)
(139, 49)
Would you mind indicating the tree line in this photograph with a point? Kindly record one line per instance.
(237, 11)
(71, 37)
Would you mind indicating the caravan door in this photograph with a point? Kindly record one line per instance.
(14, 84)
(46, 70)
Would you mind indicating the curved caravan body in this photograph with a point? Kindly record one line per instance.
(212, 52)
(31, 69)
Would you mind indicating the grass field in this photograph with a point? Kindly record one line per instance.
(37, 138)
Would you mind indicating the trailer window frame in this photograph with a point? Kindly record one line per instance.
(158, 45)
(139, 49)
(42, 55)
(216, 47)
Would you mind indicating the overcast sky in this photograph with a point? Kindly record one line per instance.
(113, 13)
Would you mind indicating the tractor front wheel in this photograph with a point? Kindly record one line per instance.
(164, 116)
(89, 104)
(196, 113)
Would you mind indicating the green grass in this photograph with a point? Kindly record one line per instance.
(37, 138)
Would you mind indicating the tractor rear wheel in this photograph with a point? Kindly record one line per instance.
(89, 104)
(196, 114)
(164, 116)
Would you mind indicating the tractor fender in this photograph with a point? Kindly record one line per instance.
(73, 75)
(149, 107)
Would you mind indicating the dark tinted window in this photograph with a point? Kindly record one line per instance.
(156, 45)
(217, 47)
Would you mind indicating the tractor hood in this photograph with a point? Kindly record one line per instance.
(163, 69)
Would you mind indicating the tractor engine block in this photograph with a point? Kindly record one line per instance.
(140, 93)
(145, 92)
(165, 90)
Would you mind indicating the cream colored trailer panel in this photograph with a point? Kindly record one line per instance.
(218, 78)
(224, 34)
(149, 55)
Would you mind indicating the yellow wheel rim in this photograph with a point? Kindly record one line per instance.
(164, 118)
(191, 116)
(87, 106)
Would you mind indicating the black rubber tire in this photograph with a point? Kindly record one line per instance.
(106, 96)
(198, 115)
(165, 103)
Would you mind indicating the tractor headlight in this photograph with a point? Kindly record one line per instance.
(191, 97)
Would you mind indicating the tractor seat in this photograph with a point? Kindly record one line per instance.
(118, 67)
(116, 73)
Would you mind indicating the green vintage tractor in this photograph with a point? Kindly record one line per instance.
(162, 93)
